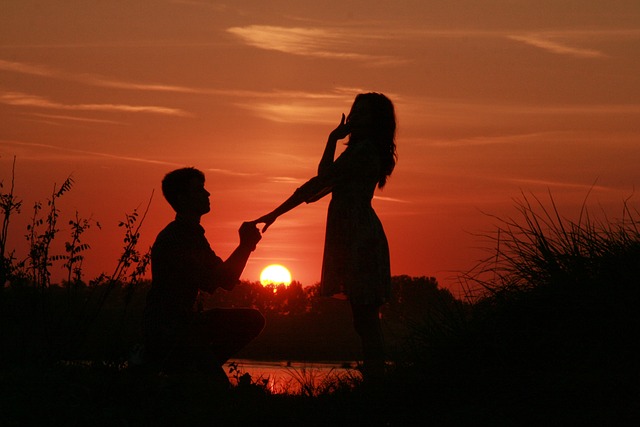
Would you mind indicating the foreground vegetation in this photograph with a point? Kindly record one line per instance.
(547, 336)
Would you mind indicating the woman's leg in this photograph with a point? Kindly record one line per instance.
(366, 320)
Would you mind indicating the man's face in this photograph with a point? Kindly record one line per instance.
(196, 198)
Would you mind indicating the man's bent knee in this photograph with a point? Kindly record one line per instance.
(257, 322)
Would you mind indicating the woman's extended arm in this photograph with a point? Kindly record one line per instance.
(340, 132)
(268, 219)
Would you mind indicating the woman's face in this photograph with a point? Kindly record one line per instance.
(361, 117)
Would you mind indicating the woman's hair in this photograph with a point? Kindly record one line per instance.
(383, 130)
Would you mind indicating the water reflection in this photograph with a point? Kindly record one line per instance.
(294, 377)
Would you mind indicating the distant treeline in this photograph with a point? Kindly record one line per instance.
(301, 325)
(102, 320)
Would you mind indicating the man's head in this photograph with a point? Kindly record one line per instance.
(185, 192)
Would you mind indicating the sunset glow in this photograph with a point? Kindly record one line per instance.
(275, 274)
(494, 99)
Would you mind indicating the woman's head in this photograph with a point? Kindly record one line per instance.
(373, 116)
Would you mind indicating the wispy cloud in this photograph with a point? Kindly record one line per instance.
(284, 106)
(559, 184)
(546, 43)
(560, 42)
(567, 42)
(286, 180)
(19, 67)
(519, 138)
(219, 7)
(89, 79)
(390, 199)
(115, 84)
(316, 42)
(228, 172)
(74, 118)
(102, 81)
(305, 107)
(447, 110)
(301, 107)
(26, 100)
(73, 151)
(293, 112)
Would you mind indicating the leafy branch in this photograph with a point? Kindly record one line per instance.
(74, 249)
(130, 255)
(40, 241)
(8, 204)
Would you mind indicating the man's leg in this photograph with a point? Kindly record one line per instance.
(167, 345)
(228, 330)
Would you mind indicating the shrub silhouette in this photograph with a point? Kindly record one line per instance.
(562, 289)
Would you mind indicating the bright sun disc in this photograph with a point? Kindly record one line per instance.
(275, 274)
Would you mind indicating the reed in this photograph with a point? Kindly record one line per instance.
(544, 249)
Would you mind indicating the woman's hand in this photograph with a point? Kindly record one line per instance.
(341, 131)
(267, 220)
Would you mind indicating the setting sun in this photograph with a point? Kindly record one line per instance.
(275, 274)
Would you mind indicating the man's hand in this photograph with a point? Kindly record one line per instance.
(267, 220)
(249, 235)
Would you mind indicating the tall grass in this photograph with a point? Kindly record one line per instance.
(551, 332)
(38, 322)
(559, 293)
(543, 249)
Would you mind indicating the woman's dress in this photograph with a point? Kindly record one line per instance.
(356, 252)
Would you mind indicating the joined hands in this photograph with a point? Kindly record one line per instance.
(267, 220)
(341, 131)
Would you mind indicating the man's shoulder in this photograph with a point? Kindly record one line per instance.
(172, 232)
(177, 233)
(173, 226)
(169, 229)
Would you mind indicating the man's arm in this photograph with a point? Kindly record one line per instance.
(232, 268)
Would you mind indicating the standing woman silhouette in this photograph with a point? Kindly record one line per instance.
(356, 252)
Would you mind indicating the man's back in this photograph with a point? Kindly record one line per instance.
(182, 262)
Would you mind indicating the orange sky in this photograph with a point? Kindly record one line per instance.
(493, 98)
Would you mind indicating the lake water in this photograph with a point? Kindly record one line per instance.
(291, 377)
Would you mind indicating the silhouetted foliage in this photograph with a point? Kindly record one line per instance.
(43, 321)
(270, 299)
(9, 204)
(562, 290)
(74, 248)
(548, 335)
(553, 324)
(421, 316)
(41, 232)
